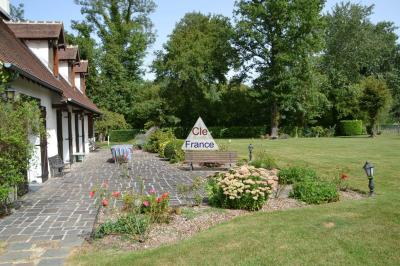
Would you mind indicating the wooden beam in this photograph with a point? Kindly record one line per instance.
(71, 156)
(60, 139)
(55, 58)
(77, 132)
(83, 133)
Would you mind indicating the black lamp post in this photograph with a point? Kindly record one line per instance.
(250, 147)
(369, 171)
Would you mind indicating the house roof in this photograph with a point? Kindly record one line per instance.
(82, 67)
(68, 53)
(17, 56)
(38, 30)
(74, 96)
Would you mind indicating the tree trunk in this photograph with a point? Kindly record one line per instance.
(371, 128)
(274, 121)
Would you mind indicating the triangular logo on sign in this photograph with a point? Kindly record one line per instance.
(200, 139)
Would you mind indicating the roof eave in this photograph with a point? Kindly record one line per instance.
(83, 106)
(32, 77)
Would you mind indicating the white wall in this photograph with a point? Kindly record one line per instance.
(65, 137)
(78, 81)
(64, 70)
(41, 49)
(47, 98)
(5, 5)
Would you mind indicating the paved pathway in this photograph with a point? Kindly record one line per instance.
(59, 215)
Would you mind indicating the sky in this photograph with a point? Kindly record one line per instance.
(169, 12)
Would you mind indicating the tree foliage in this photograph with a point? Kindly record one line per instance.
(276, 38)
(375, 97)
(109, 121)
(355, 48)
(124, 30)
(193, 65)
(17, 13)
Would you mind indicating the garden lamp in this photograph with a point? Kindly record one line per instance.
(369, 171)
(250, 147)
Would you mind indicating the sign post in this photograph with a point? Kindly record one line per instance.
(199, 139)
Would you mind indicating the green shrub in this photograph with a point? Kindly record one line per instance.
(123, 135)
(314, 191)
(233, 190)
(158, 140)
(351, 127)
(264, 160)
(16, 150)
(295, 174)
(173, 151)
(131, 224)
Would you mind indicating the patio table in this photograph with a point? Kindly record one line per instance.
(125, 151)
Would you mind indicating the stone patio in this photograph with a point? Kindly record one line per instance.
(59, 214)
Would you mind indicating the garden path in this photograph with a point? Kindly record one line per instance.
(59, 215)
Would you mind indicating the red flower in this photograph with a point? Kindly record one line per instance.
(116, 194)
(104, 202)
(91, 194)
(165, 195)
(146, 203)
(344, 176)
(159, 200)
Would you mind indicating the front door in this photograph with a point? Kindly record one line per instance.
(43, 147)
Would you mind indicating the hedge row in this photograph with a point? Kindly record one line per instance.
(225, 132)
(351, 127)
(123, 134)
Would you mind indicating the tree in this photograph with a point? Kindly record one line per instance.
(109, 121)
(194, 63)
(355, 48)
(274, 38)
(17, 12)
(125, 32)
(375, 97)
(88, 50)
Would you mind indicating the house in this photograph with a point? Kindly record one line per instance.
(51, 73)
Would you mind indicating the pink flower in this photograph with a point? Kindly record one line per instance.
(152, 191)
(116, 194)
(91, 194)
(146, 203)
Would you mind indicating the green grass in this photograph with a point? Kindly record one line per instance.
(359, 232)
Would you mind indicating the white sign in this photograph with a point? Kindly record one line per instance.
(199, 138)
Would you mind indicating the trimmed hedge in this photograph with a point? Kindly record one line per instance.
(173, 151)
(123, 134)
(225, 132)
(351, 127)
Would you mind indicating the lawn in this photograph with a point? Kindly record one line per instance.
(362, 232)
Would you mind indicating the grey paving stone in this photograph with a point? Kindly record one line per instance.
(56, 253)
(61, 209)
(15, 255)
(19, 246)
(51, 262)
